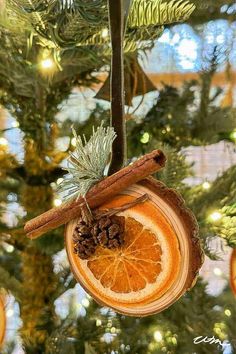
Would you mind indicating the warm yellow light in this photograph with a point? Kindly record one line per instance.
(98, 322)
(215, 216)
(104, 32)
(3, 142)
(47, 64)
(217, 271)
(228, 312)
(174, 340)
(15, 124)
(73, 141)
(9, 248)
(57, 202)
(60, 180)
(10, 313)
(157, 336)
(85, 302)
(145, 138)
(206, 185)
(233, 135)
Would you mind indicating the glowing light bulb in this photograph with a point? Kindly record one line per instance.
(15, 124)
(10, 313)
(9, 248)
(104, 32)
(157, 336)
(233, 135)
(3, 141)
(85, 302)
(228, 312)
(206, 185)
(215, 216)
(145, 138)
(217, 272)
(73, 141)
(98, 323)
(60, 180)
(47, 63)
(57, 202)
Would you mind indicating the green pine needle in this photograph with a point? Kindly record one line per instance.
(87, 163)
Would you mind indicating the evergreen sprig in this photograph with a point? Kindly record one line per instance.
(88, 162)
(71, 23)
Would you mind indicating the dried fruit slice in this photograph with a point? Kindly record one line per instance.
(158, 261)
(233, 271)
(2, 320)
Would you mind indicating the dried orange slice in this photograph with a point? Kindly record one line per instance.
(233, 271)
(2, 320)
(155, 264)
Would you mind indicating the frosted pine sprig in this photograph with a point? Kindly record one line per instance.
(87, 163)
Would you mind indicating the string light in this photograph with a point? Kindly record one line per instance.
(15, 124)
(174, 340)
(98, 323)
(217, 272)
(206, 185)
(104, 32)
(215, 216)
(73, 141)
(85, 302)
(60, 180)
(145, 138)
(168, 128)
(233, 135)
(10, 313)
(3, 141)
(157, 336)
(9, 248)
(57, 202)
(228, 312)
(47, 63)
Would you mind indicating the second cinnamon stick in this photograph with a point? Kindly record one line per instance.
(97, 195)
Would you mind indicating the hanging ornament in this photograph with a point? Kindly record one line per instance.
(2, 319)
(233, 271)
(131, 242)
(136, 82)
(156, 259)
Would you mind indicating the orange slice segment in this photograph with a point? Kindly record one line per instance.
(144, 268)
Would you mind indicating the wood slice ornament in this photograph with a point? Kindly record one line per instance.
(158, 262)
(2, 320)
(233, 271)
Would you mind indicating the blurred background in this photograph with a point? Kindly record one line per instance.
(180, 83)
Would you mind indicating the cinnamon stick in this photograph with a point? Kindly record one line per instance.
(97, 195)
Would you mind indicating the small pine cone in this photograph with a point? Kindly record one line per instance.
(84, 245)
(108, 231)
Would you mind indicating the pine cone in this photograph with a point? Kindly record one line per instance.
(84, 244)
(108, 231)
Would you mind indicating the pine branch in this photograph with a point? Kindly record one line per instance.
(79, 23)
(148, 13)
(10, 283)
(87, 163)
